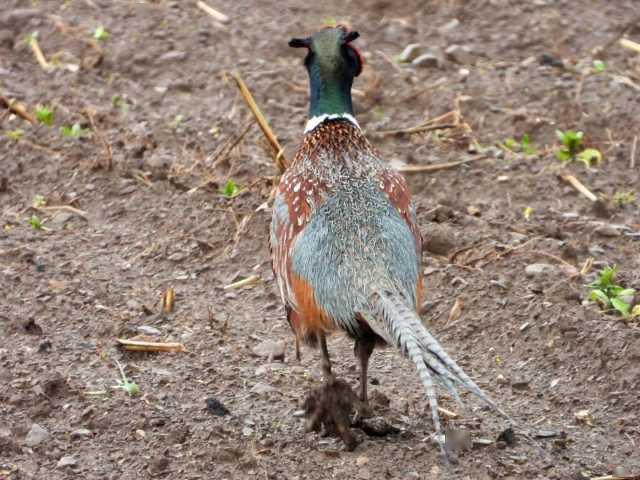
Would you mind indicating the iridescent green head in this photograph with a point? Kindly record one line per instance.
(332, 63)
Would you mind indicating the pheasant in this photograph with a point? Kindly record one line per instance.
(345, 245)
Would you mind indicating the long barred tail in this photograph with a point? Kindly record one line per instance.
(403, 326)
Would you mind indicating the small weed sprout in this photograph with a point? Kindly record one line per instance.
(100, 33)
(124, 384)
(230, 189)
(38, 201)
(599, 66)
(571, 149)
(523, 146)
(527, 213)
(35, 222)
(14, 135)
(75, 131)
(609, 295)
(45, 115)
(620, 199)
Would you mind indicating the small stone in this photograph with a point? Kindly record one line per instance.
(501, 380)
(272, 350)
(216, 407)
(36, 435)
(540, 270)
(81, 433)
(262, 388)
(460, 54)
(361, 461)
(67, 461)
(410, 52)
(449, 26)
(147, 330)
(173, 56)
(426, 60)
(520, 384)
(608, 231)
(60, 218)
(140, 434)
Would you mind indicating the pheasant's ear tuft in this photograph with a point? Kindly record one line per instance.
(351, 36)
(300, 43)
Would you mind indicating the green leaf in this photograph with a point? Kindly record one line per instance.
(635, 312)
(39, 201)
(74, 131)
(627, 292)
(599, 66)
(35, 222)
(563, 155)
(620, 306)
(14, 135)
(100, 33)
(560, 135)
(600, 297)
(44, 114)
(590, 156)
(230, 189)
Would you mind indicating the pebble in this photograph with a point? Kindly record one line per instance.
(147, 330)
(262, 388)
(426, 60)
(540, 270)
(607, 231)
(173, 56)
(410, 52)
(67, 461)
(273, 350)
(36, 435)
(81, 433)
(460, 54)
(60, 218)
(449, 26)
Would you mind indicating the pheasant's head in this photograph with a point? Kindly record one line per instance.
(332, 63)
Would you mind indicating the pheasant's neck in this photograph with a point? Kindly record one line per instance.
(330, 98)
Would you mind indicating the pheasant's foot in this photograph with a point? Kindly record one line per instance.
(329, 407)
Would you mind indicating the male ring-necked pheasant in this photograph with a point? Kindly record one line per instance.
(345, 244)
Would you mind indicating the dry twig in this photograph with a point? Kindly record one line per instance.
(448, 120)
(215, 14)
(632, 159)
(441, 166)
(68, 208)
(37, 52)
(278, 152)
(630, 45)
(251, 280)
(579, 186)
(141, 346)
(17, 108)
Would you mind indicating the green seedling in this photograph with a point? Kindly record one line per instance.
(571, 142)
(230, 189)
(571, 149)
(35, 222)
(524, 145)
(75, 131)
(31, 37)
(14, 135)
(527, 213)
(44, 114)
(124, 384)
(100, 33)
(599, 66)
(39, 201)
(176, 122)
(608, 294)
(620, 199)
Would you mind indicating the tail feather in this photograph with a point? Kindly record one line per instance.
(402, 325)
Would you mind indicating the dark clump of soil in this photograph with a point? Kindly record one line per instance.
(121, 199)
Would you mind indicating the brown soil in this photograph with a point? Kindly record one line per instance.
(165, 108)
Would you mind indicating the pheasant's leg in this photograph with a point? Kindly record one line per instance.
(326, 362)
(363, 349)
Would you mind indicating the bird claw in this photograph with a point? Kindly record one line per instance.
(329, 408)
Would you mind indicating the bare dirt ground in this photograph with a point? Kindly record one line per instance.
(165, 114)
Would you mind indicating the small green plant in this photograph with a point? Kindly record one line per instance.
(35, 222)
(524, 145)
(176, 122)
(14, 135)
(230, 189)
(45, 115)
(39, 201)
(571, 149)
(620, 199)
(124, 384)
(599, 66)
(527, 213)
(608, 294)
(100, 33)
(75, 131)
(31, 37)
